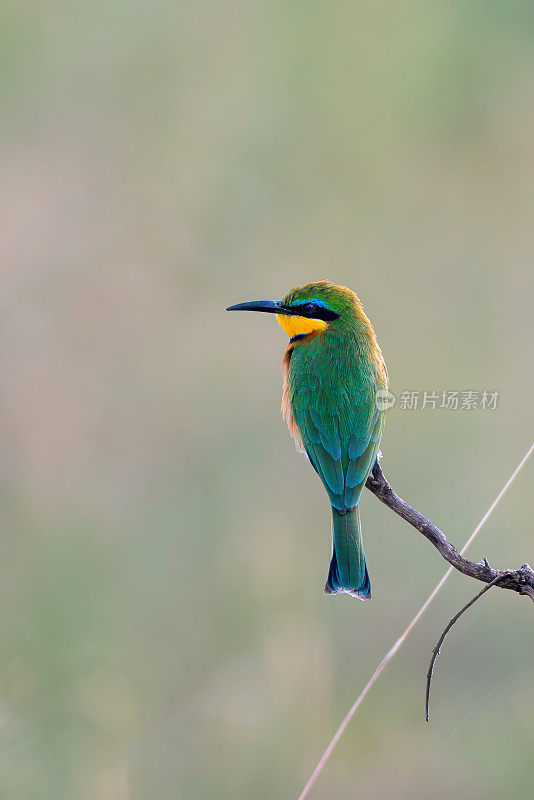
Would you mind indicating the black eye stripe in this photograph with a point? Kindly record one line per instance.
(318, 312)
(312, 311)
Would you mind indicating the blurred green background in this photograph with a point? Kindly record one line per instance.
(164, 632)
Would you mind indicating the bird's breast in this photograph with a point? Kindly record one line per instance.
(335, 369)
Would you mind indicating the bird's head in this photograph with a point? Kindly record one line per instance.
(310, 309)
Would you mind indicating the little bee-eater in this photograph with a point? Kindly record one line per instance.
(334, 376)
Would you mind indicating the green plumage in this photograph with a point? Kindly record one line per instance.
(333, 379)
(333, 369)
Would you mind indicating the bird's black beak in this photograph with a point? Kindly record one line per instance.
(267, 306)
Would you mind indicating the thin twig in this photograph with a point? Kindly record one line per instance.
(437, 649)
(377, 484)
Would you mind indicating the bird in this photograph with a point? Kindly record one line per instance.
(334, 376)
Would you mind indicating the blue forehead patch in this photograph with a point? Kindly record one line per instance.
(313, 300)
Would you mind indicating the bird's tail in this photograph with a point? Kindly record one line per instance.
(348, 572)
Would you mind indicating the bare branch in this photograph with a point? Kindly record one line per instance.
(523, 582)
(437, 649)
(519, 580)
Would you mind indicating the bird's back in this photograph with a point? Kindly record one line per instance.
(332, 383)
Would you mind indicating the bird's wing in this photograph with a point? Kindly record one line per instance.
(341, 449)
(361, 454)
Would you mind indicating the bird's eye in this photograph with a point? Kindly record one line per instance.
(309, 308)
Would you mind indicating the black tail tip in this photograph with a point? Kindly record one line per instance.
(359, 593)
(334, 585)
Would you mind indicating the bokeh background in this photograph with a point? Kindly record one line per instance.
(164, 632)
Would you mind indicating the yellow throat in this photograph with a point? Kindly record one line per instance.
(300, 326)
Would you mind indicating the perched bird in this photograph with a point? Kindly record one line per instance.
(333, 373)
